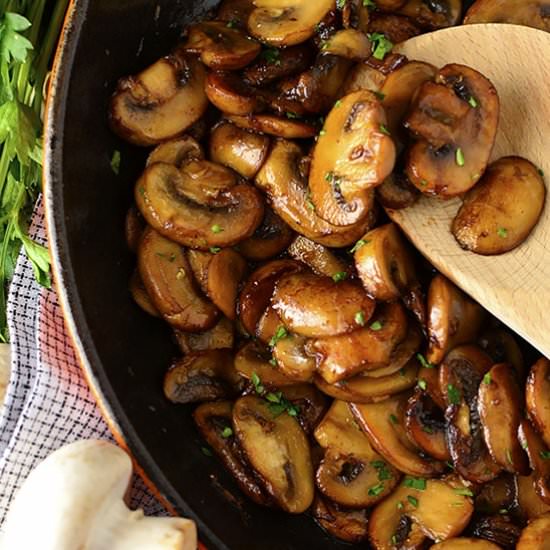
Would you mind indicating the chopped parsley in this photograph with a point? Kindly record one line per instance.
(206, 451)
(227, 432)
(422, 384)
(375, 490)
(382, 469)
(214, 249)
(393, 419)
(502, 232)
(376, 326)
(271, 55)
(384, 130)
(473, 102)
(290, 114)
(545, 455)
(278, 404)
(381, 46)
(280, 333)
(231, 23)
(257, 383)
(427, 430)
(329, 176)
(509, 456)
(525, 445)
(400, 505)
(379, 95)
(360, 318)
(322, 132)
(418, 483)
(463, 491)
(339, 276)
(273, 362)
(413, 501)
(541, 172)
(310, 205)
(340, 4)
(371, 4)
(358, 245)
(423, 183)
(424, 362)
(487, 378)
(115, 162)
(453, 394)
(459, 157)
(338, 103)
(216, 228)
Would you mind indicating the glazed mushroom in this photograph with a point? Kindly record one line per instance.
(500, 212)
(85, 483)
(140, 296)
(465, 543)
(220, 336)
(344, 524)
(348, 43)
(319, 258)
(396, 28)
(292, 359)
(537, 397)
(432, 15)
(354, 154)
(161, 102)
(532, 13)
(178, 151)
(539, 458)
(227, 92)
(455, 120)
(274, 126)
(535, 535)
(530, 505)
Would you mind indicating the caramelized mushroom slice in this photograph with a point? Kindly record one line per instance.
(140, 296)
(199, 261)
(160, 200)
(453, 318)
(353, 155)
(356, 15)
(433, 14)
(537, 397)
(239, 149)
(220, 46)
(177, 151)
(170, 285)
(396, 28)
(219, 337)
(275, 126)
(500, 406)
(256, 294)
(455, 119)
(278, 450)
(425, 425)
(133, 228)
(384, 263)
(286, 23)
(500, 212)
(202, 376)
(502, 347)
(228, 93)
(430, 374)
(339, 357)
(497, 495)
(364, 77)
(319, 258)
(530, 505)
(346, 525)
(161, 102)
(459, 377)
(465, 543)
(383, 423)
(536, 535)
(348, 43)
(539, 458)
(532, 13)
(214, 421)
(396, 192)
(310, 403)
(254, 360)
(316, 306)
(285, 184)
(292, 359)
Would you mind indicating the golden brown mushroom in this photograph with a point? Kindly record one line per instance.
(535, 536)
(344, 524)
(537, 397)
(465, 543)
(220, 336)
(275, 126)
(532, 13)
(348, 43)
(177, 151)
(539, 458)
(253, 359)
(318, 258)
(227, 92)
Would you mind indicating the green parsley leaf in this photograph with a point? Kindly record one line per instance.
(310, 205)
(427, 429)
(360, 318)
(541, 172)
(459, 157)
(423, 183)
(14, 45)
(487, 378)
(379, 95)
(393, 540)
(339, 276)
(232, 23)
(393, 419)
(381, 46)
(509, 456)
(214, 249)
(257, 383)
(227, 432)
(463, 491)
(545, 455)
(371, 4)
(502, 232)
(206, 451)
(473, 102)
(418, 483)
(271, 55)
(216, 228)
(360, 243)
(280, 333)
(424, 362)
(375, 490)
(340, 4)
(376, 326)
(274, 397)
(422, 384)
(453, 394)
(329, 176)
(525, 445)
(413, 501)
(384, 130)
(400, 505)
(115, 162)
(290, 114)
(338, 103)
(273, 362)
(322, 132)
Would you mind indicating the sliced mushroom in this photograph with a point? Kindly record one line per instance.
(539, 458)
(430, 374)
(239, 149)
(310, 403)
(384, 263)
(537, 397)
(160, 200)
(536, 535)
(140, 296)
(500, 407)
(316, 306)
(268, 325)
(497, 495)
(356, 15)
(433, 14)
(459, 377)
(176, 151)
(286, 23)
(161, 102)
(292, 359)
(396, 28)
(502, 347)
(532, 13)
(227, 92)
(453, 318)
(339, 357)
(348, 43)
(278, 450)
(319, 258)
(425, 425)
(346, 525)
(500, 212)
(389, 529)
(256, 294)
(202, 376)
(199, 261)
(214, 421)
(221, 336)
(363, 77)
(133, 228)
(498, 529)
(254, 360)
(465, 543)
(170, 285)
(530, 505)
(455, 119)
(353, 155)
(396, 191)
(285, 184)
(275, 126)
(384, 425)
(220, 46)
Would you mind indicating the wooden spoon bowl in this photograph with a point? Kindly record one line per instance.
(514, 286)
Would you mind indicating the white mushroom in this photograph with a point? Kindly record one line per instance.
(74, 501)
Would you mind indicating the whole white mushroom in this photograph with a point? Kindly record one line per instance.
(74, 500)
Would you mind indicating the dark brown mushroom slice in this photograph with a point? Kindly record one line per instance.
(354, 155)
(537, 397)
(310, 403)
(169, 281)
(539, 457)
(396, 28)
(318, 257)
(425, 425)
(228, 93)
(532, 13)
(433, 14)
(315, 306)
(255, 296)
(460, 375)
(214, 421)
(220, 336)
(177, 151)
(278, 449)
(161, 102)
(453, 318)
(240, 150)
(430, 374)
(340, 357)
(344, 524)
(187, 222)
(349, 44)
(140, 296)
(281, 23)
(199, 262)
(529, 503)
(221, 47)
(283, 180)
(274, 64)
(356, 15)
(383, 422)
(202, 376)
(536, 535)
(500, 403)
(388, 528)
(465, 543)
(496, 495)
(235, 12)
(134, 224)
(500, 212)
(502, 347)
(363, 77)
(455, 121)
(292, 359)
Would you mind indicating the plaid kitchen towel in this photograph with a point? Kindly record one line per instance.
(48, 403)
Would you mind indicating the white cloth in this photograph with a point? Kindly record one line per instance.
(48, 402)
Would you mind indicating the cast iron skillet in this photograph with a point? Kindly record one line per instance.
(124, 351)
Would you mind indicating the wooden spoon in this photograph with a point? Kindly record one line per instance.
(514, 286)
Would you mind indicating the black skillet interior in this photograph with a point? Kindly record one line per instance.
(127, 351)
